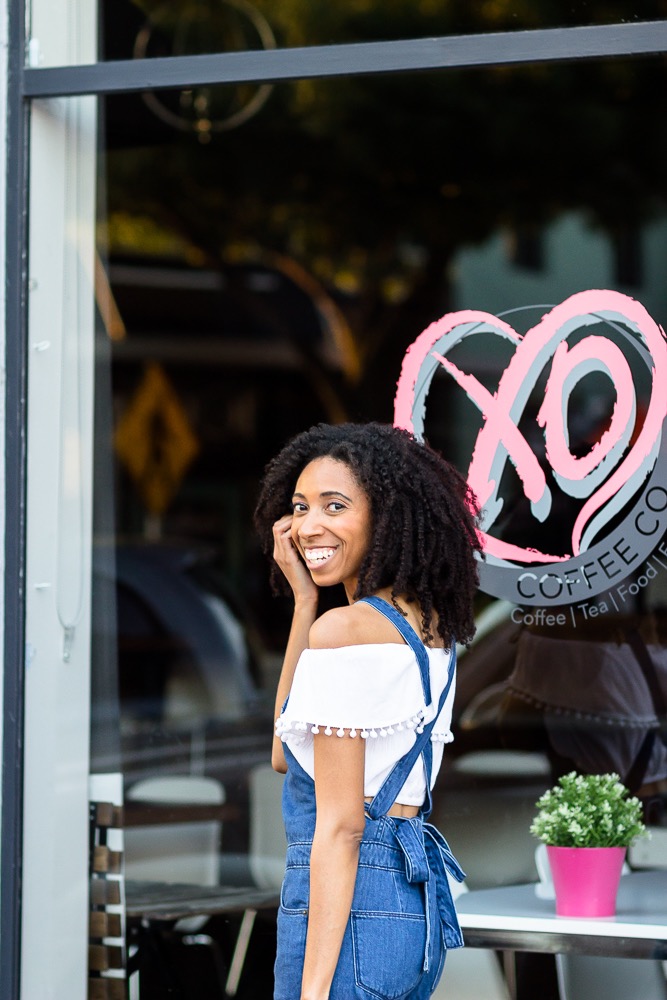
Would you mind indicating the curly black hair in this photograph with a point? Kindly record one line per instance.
(423, 518)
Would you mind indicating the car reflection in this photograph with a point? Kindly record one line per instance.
(190, 697)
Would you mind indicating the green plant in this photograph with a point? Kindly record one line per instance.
(592, 810)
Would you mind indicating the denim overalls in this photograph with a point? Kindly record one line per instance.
(402, 919)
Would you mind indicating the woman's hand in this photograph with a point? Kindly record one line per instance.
(291, 563)
(305, 611)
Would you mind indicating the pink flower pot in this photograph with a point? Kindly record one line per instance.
(586, 879)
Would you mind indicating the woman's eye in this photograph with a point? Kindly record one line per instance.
(298, 508)
(336, 505)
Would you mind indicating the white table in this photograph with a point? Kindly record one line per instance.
(514, 918)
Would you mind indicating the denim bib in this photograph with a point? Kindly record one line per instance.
(402, 919)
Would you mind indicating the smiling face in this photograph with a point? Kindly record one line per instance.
(331, 527)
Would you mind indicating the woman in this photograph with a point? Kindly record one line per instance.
(364, 705)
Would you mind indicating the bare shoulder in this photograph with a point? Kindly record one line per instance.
(354, 625)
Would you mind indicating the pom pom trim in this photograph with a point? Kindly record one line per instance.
(297, 729)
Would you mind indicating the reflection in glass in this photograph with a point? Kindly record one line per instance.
(274, 277)
(144, 29)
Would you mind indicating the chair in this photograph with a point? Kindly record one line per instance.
(471, 973)
(176, 852)
(594, 977)
(185, 852)
(108, 977)
(268, 846)
(650, 852)
(590, 977)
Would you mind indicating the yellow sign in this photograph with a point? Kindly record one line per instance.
(154, 440)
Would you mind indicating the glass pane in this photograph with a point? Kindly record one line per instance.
(143, 29)
(258, 279)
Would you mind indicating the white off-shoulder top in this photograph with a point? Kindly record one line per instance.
(371, 692)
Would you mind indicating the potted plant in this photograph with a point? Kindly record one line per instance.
(587, 822)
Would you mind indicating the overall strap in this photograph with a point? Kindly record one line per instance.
(386, 796)
(410, 636)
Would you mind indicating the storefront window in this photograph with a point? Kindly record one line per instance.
(248, 303)
(220, 268)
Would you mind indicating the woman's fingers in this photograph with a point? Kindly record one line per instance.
(282, 540)
(289, 561)
(284, 551)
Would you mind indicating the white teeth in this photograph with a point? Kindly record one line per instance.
(318, 555)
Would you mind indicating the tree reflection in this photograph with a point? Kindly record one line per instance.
(371, 184)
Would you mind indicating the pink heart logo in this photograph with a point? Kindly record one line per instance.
(608, 476)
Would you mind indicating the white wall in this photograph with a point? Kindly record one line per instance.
(60, 425)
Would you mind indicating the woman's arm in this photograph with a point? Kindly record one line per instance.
(302, 618)
(305, 611)
(339, 828)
